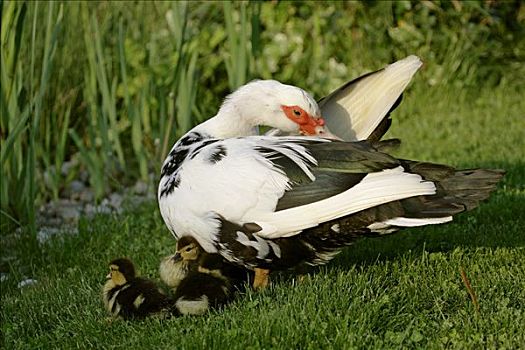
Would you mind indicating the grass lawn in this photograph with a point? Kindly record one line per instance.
(403, 290)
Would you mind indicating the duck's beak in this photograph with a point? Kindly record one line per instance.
(322, 131)
(176, 258)
(108, 276)
(310, 125)
(317, 127)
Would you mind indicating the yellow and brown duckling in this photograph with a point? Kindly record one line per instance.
(191, 258)
(200, 281)
(174, 268)
(199, 292)
(128, 296)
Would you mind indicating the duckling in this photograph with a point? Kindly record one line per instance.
(199, 292)
(190, 257)
(128, 296)
(174, 268)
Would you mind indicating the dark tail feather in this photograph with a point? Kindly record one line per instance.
(461, 187)
(470, 187)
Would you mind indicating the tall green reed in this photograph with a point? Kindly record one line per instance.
(22, 105)
(243, 39)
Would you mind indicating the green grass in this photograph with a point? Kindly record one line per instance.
(403, 290)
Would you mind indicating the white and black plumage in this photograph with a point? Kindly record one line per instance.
(130, 297)
(237, 196)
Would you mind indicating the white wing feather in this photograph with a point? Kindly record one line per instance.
(355, 112)
(374, 189)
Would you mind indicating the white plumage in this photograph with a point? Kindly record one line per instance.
(239, 187)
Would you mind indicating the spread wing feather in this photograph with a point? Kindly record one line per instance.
(360, 109)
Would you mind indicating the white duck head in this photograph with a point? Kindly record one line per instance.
(266, 102)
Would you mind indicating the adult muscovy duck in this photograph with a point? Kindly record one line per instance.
(238, 196)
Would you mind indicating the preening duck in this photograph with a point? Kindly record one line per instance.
(360, 109)
(238, 195)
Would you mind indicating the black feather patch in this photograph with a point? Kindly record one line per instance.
(217, 154)
(250, 251)
(188, 146)
(189, 139)
(203, 144)
(177, 156)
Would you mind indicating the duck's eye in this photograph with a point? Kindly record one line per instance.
(188, 249)
(296, 112)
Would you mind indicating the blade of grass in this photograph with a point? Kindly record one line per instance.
(470, 290)
(92, 162)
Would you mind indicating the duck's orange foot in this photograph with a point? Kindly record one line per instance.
(261, 279)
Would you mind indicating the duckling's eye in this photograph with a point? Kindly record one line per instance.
(296, 112)
(188, 249)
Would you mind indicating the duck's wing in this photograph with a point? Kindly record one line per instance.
(347, 178)
(456, 191)
(339, 167)
(360, 109)
(351, 177)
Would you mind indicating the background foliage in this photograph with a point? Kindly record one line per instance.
(115, 83)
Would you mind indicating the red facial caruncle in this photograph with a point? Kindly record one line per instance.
(308, 125)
